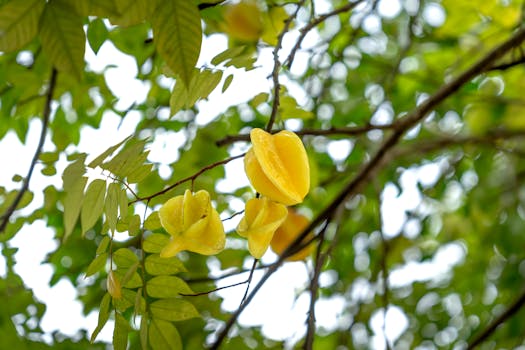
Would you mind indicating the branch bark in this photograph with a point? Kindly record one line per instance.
(25, 184)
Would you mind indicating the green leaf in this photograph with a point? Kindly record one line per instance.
(164, 335)
(103, 315)
(227, 82)
(111, 205)
(140, 174)
(97, 161)
(49, 170)
(19, 23)
(124, 258)
(152, 221)
(129, 273)
(123, 203)
(97, 264)
(201, 85)
(167, 287)
(133, 12)
(74, 184)
(178, 35)
(128, 160)
(103, 245)
(144, 331)
(134, 225)
(63, 39)
(173, 310)
(120, 333)
(97, 33)
(93, 204)
(227, 55)
(155, 265)
(155, 242)
(48, 157)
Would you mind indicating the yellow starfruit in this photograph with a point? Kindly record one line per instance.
(277, 166)
(243, 21)
(261, 218)
(293, 226)
(194, 225)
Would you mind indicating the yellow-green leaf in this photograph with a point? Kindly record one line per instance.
(19, 23)
(123, 203)
(173, 310)
(144, 331)
(132, 12)
(178, 35)
(167, 287)
(111, 206)
(120, 333)
(134, 225)
(153, 221)
(155, 265)
(103, 245)
(97, 264)
(93, 204)
(155, 242)
(97, 33)
(97, 161)
(63, 38)
(227, 82)
(163, 335)
(73, 203)
(103, 315)
(124, 258)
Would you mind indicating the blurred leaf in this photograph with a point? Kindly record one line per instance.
(63, 39)
(97, 34)
(178, 34)
(167, 287)
(111, 205)
(164, 335)
(97, 264)
(124, 258)
(155, 242)
(120, 333)
(93, 204)
(173, 310)
(103, 315)
(155, 265)
(19, 23)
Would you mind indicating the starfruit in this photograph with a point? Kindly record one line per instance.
(261, 218)
(293, 226)
(243, 21)
(194, 225)
(277, 166)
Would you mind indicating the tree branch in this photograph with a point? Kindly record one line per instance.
(508, 313)
(186, 179)
(314, 23)
(347, 131)
(379, 158)
(45, 122)
(277, 67)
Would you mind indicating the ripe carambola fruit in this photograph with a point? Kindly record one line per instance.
(261, 218)
(293, 226)
(193, 224)
(277, 166)
(243, 21)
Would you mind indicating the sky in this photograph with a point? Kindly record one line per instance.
(279, 295)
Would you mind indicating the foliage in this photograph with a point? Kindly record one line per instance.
(411, 115)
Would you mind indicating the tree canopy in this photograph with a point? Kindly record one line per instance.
(384, 156)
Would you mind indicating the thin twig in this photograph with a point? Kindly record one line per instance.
(509, 312)
(379, 159)
(277, 67)
(249, 280)
(347, 131)
(314, 287)
(189, 178)
(45, 122)
(226, 275)
(312, 24)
